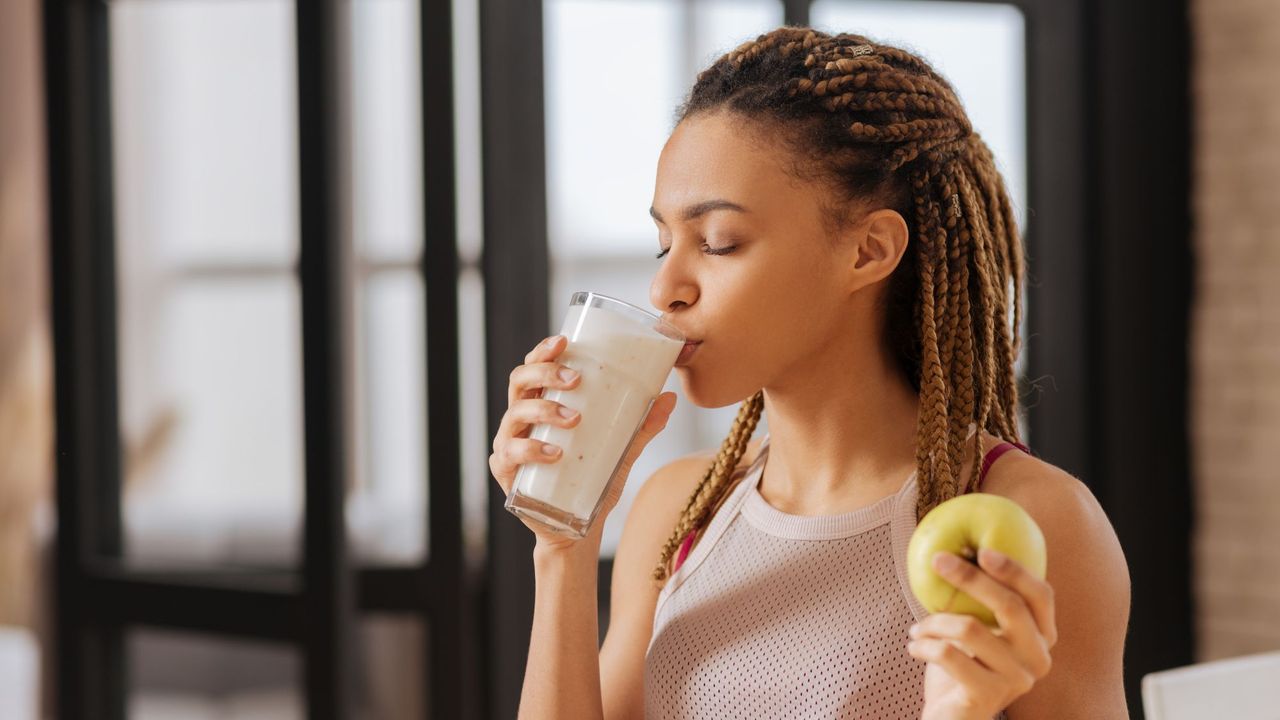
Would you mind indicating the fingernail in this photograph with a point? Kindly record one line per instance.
(913, 631)
(550, 450)
(946, 562)
(992, 558)
(567, 413)
(567, 375)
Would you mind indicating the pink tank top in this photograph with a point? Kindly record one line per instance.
(779, 615)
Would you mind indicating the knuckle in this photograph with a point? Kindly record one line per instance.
(966, 571)
(950, 652)
(1007, 604)
(1047, 594)
(1025, 682)
(970, 628)
(514, 377)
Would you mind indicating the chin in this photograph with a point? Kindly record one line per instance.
(706, 394)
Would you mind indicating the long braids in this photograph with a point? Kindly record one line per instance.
(881, 124)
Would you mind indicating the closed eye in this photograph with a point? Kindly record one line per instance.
(705, 248)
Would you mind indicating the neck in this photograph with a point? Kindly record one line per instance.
(842, 434)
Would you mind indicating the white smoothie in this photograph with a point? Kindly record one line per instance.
(623, 369)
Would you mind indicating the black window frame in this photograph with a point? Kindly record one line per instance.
(99, 596)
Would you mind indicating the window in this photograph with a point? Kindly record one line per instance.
(206, 164)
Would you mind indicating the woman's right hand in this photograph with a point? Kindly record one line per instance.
(512, 447)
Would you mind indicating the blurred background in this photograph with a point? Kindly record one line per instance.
(265, 267)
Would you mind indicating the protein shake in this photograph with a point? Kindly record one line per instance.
(624, 355)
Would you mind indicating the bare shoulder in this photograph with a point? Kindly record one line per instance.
(634, 593)
(1090, 580)
(1057, 500)
(658, 505)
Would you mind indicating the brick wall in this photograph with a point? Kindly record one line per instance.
(1235, 392)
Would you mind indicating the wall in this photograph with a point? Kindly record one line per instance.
(1236, 325)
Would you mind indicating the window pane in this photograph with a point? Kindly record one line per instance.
(476, 441)
(608, 115)
(392, 668)
(204, 120)
(722, 25)
(386, 129)
(387, 513)
(991, 83)
(212, 418)
(183, 676)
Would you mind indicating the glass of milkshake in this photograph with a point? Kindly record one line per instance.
(624, 355)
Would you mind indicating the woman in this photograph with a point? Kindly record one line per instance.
(838, 241)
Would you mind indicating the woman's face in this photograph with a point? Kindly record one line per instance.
(782, 295)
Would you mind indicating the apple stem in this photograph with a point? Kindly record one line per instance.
(970, 554)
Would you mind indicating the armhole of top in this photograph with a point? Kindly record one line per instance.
(742, 471)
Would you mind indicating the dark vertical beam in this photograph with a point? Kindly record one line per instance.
(91, 673)
(451, 659)
(1140, 99)
(516, 274)
(1059, 294)
(328, 596)
(795, 12)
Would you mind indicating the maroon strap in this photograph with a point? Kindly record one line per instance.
(994, 454)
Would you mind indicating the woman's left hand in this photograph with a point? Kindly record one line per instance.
(975, 671)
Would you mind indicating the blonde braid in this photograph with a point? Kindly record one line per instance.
(715, 483)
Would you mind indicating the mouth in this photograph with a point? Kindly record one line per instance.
(686, 352)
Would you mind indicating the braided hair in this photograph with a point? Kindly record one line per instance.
(880, 125)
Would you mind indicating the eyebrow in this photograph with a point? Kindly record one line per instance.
(695, 211)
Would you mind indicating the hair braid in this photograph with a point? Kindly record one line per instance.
(707, 496)
(881, 126)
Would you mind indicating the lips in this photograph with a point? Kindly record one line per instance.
(687, 352)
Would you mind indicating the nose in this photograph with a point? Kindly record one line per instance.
(673, 286)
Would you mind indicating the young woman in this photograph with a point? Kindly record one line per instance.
(839, 245)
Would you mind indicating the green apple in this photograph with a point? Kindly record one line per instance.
(963, 525)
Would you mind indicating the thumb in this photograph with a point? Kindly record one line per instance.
(653, 424)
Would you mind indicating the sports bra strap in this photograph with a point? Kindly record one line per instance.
(994, 454)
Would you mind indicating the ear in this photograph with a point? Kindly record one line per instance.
(880, 240)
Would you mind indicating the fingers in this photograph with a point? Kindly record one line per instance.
(527, 380)
(1005, 603)
(958, 665)
(1013, 611)
(546, 350)
(524, 414)
(1037, 593)
(516, 452)
(974, 639)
